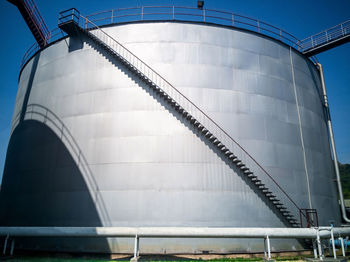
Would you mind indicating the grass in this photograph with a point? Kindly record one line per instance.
(53, 259)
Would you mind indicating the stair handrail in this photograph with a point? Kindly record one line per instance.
(39, 21)
(157, 79)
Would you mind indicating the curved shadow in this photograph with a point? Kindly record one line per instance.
(44, 186)
(46, 116)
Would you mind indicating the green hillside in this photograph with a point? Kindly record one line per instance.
(345, 179)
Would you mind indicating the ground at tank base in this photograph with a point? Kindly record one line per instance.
(79, 257)
(328, 259)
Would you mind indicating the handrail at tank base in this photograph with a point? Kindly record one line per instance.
(315, 234)
(175, 232)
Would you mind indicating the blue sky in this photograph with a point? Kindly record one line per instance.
(299, 17)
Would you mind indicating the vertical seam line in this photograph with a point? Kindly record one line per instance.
(300, 128)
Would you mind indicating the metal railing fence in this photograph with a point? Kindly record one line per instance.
(182, 13)
(314, 234)
(55, 35)
(325, 36)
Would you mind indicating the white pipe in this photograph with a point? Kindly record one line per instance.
(331, 136)
(173, 232)
(333, 245)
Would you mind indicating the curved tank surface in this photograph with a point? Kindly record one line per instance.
(93, 145)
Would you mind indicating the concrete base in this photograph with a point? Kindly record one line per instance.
(269, 260)
(134, 259)
(328, 259)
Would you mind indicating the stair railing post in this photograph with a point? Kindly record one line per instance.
(333, 244)
(5, 244)
(314, 246)
(12, 247)
(268, 247)
(342, 246)
(136, 246)
(318, 239)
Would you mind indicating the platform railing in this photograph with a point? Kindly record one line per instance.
(183, 13)
(326, 36)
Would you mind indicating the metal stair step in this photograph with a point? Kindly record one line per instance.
(208, 134)
(228, 152)
(225, 150)
(231, 156)
(196, 123)
(181, 109)
(250, 174)
(212, 138)
(220, 145)
(216, 141)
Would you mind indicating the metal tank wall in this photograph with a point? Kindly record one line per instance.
(97, 147)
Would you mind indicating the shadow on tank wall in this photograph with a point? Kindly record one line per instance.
(44, 186)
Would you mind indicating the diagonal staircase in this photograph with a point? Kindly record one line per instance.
(33, 19)
(73, 23)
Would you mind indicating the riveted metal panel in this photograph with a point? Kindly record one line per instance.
(119, 156)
